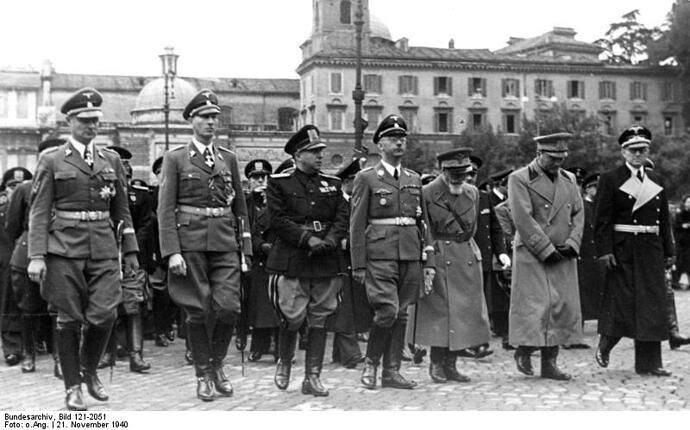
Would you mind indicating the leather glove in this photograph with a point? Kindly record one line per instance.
(609, 260)
(505, 261)
(131, 263)
(314, 242)
(266, 247)
(429, 274)
(554, 257)
(567, 251)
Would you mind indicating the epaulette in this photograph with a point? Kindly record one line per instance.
(330, 176)
(569, 175)
(367, 169)
(140, 188)
(222, 148)
(110, 151)
(410, 171)
(280, 175)
(49, 150)
(178, 148)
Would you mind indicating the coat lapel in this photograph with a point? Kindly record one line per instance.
(197, 159)
(384, 176)
(541, 184)
(73, 157)
(648, 191)
(98, 161)
(219, 162)
(560, 195)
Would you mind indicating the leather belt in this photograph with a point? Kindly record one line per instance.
(316, 226)
(632, 228)
(209, 212)
(399, 220)
(83, 215)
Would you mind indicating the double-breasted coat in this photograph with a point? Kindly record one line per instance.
(634, 300)
(545, 300)
(454, 314)
(590, 270)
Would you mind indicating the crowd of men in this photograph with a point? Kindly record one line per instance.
(376, 253)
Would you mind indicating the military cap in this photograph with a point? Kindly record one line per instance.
(307, 138)
(122, 152)
(139, 183)
(349, 170)
(18, 174)
(554, 144)
(477, 162)
(156, 166)
(204, 102)
(392, 125)
(579, 173)
(49, 143)
(257, 167)
(499, 176)
(286, 166)
(85, 103)
(485, 186)
(590, 180)
(427, 178)
(457, 160)
(637, 136)
(649, 164)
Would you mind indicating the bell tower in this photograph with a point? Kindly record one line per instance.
(333, 24)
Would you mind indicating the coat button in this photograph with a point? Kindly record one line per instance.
(469, 263)
(546, 206)
(447, 242)
(447, 263)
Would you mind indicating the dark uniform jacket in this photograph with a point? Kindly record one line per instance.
(18, 224)
(64, 182)
(378, 195)
(489, 236)
(297, 205)
(187, 180)
(634, 302)
(141, 208)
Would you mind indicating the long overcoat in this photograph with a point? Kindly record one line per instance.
(545, 300)
(590, 270)
(454, 314)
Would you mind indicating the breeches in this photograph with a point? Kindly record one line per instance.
(311, 298)
(391, 286)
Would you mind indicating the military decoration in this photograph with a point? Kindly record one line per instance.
(418, 211)
(383, 201)
(3, 199)
(107, 192)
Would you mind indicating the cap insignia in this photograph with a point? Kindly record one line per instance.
(313, 135)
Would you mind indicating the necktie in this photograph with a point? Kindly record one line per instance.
(87, 157)
(639, 175)
(395, 174)
(208, 158)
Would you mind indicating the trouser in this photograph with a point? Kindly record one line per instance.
(647, 353)
(164, 310)
(310, 299)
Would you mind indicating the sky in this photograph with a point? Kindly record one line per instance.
(261, 38)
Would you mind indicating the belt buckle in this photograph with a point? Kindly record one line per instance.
(398, 220)
(93, 216)
(216, 212)
(317, 226)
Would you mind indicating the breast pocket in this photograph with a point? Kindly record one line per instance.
(410, 202)
(65, 183)
(190, 182)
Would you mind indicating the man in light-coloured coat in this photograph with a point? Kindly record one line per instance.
(547, 209)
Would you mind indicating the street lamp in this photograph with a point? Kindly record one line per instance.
(358, 93)
(169, 64)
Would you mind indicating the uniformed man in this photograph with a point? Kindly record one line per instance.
(499, 186)
(547, 209)
(389, 239)
(262, 317)
(79, 196)
(308, 214)
(204, 234)
(634, 240)
(28, 294)
(452, 316)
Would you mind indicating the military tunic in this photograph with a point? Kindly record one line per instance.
(10, 321)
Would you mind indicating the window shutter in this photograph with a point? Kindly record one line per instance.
(470, 90)
(400, 84)
(582, 89)
(436, 127)
(601, 90)
(416, 87)
(517, 88)
(449, 82)
(551, 90)
(504, 84)
(644, 91)
(484, 87)
(613, 90)
(536, 87)
(632, 91)
(435, 86)
(379, 84)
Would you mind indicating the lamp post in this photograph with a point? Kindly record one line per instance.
(358, 93)
(169, 64)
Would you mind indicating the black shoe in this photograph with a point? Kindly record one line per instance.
(406, 355)
(74, 399)
(483, 351)
(170, 335)
(57, 370)
(204, 388)
(161, 340)
(437, 373)
(107, 360)
(221, 382)
(507, 346)
(12, 359)
(254, 356)
(286, 352)
(451, 371)
(368, 378)
(577, 346)
(94, 386)
(393, 379)
(523, 360)
(467, 353)
(354, 362)
(137, 363)
(312, 385)
(29, 364)
(282, 376)
(659, 371)
(602, 356)
(549, 368)
(675, 341)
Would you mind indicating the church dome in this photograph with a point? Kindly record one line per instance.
(148, 108)
(378, 28)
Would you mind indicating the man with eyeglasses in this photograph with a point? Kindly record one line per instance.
(548, 212)
(634, 240)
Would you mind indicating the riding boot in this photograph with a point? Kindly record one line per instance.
(286, 351)
(378, 339)
(109, 357)
(57, 370)
(316, 346)
(606, 344)
(92, 348)
(197, 336)
(29, 327)
(67, 335)
(675, 339)
(222, 334)
(523, 359)
(451, 370)
(549, 367)
(436, 367)
(392, 358)
(135, 344)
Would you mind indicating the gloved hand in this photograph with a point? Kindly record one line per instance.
(266, 247)
(504, 260)
(669, 262)
(554, 257)
(567, 251)
(609, 260)
(429, 274)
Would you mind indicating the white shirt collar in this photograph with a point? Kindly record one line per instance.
(498, 194)
(201, 147)
(391, 169)
(634, 170)
(80, 147)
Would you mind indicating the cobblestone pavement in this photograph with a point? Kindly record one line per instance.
(496, 384)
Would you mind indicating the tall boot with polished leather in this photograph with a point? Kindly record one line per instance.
(437, 370)
(675, 339)
(451, 370)
(29, 343)
(222, 334)
(286, 351)
(92, 348)
(67, 335)
(392, 359)
(316, 346)
(606, 344)
(109, 357)
(378, 341)
(197, 336)
(57, 370)
(549, 366)
(135, 344)
(523, 359)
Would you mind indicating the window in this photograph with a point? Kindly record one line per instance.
(510, 122)
(476, 86)
(345, 15)
(373, 116)
(407, 84)
(372, 84)
(607, 90)
(286, 119)
(608, 123)
(638, 90)
(304, 88)
(443, 85)
(442, 121)
(476, 119)
(4, 104)
(576, 89)
(668, 92)
(337, 119)
(668, 125)
(336, 85)
(510, 88)
(410, 117)
(638, 117)
(544, 88)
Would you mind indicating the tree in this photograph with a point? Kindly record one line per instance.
(626, 41)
